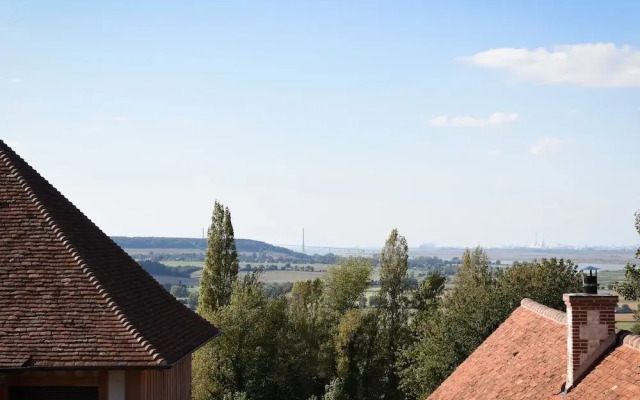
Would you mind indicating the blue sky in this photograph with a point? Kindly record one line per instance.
(458, 122)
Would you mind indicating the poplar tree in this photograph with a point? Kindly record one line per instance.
(393, 300)
(216, 287)
(221, 262)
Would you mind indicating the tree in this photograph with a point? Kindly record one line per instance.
(221, 262)
(179, 290)
(193, 300)
(427, 296)
(361, 367)
(630, 287)
(425, 302)
(393, 305)
(310, 340)
(543, 281)
(480, 301)
(248, 359)
(346, 284)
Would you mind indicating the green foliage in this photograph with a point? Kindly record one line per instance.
(630, 288)
(543, 281)
(320, 341)
(334, 391)
(426, 298)
(179, 290)
(309, 340)
(277, 289)
(249, 357)
(192, 301)
(221, 263)
(360, 363)
(637, 224)
(393, 270)
(481, 300)
(393, 306)
(235, 396)
(346, 284)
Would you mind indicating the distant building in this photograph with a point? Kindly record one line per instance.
(80, 319)
(542, 353)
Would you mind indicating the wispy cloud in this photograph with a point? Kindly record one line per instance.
(548, 146)
(495, 119)
(495, 152)
(587, 64)
(120, 119)
(4, 80)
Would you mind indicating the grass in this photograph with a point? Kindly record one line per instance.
(199, 264)
(625, 325)
(607, 277)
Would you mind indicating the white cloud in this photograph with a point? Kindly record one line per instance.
(587, 64)
(15, 80)
(495, 153)
(548, 146)
(495, 119)
(120, 119)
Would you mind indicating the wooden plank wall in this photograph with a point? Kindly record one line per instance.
(170, 384)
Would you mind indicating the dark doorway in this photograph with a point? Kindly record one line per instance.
(53, 393)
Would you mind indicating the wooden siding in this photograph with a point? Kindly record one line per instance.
(167, 384)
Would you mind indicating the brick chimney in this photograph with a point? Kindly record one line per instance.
(590, 331)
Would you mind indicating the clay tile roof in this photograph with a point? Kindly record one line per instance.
(69, 296)
(525, 358)
(617, 376)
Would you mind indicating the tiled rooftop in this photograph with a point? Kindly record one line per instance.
(69, 296)
(526, 358)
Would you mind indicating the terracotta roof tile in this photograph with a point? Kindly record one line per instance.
(69, 296)
(525, 358)
(617, 376)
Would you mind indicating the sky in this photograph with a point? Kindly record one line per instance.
(459, 123)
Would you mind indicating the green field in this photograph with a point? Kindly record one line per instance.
(284, 276)
(183, 263)
(606, 277)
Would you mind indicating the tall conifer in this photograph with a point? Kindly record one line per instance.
(221, 263)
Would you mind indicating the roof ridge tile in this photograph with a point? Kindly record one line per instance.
(631, 339)
(113, 306)
(544, 311)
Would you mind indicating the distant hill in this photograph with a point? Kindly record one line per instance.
(156, 268)
(242, 245)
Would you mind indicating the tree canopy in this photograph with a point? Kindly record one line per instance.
(221, 263)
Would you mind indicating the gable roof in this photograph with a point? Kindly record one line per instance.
(69, 296)
(526, 357)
